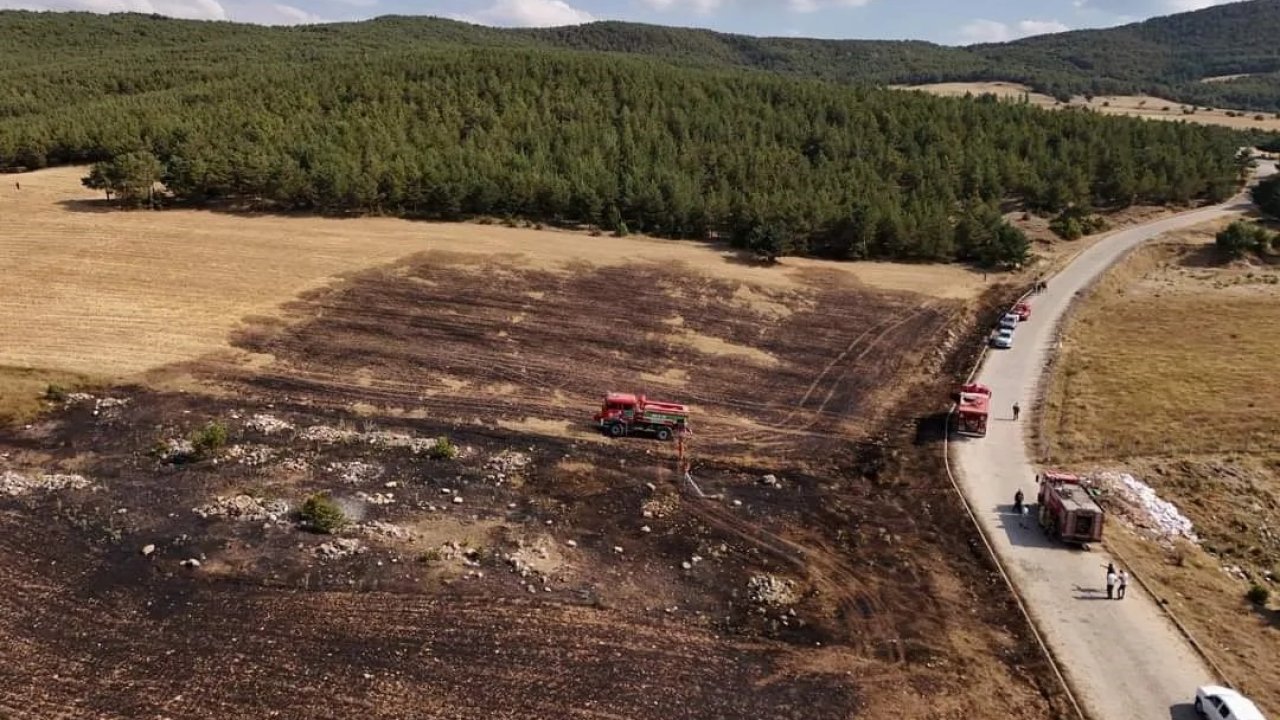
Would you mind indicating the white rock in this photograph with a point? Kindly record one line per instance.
(571, 543)
(191, 563)
(457, 499)
(617, 549)
(148, 550)
(686, 565)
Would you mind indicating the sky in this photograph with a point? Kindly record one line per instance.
(950, 22)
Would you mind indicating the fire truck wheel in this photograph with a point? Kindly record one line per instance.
(617, 430)
(664, 434)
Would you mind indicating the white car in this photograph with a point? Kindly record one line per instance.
(1219, 703)
(1009, 321)
(1003, 339)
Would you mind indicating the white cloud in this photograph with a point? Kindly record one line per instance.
(992, 31)
(276, 14)
(1146, 8)
(529, 13)
(191, 9)
(706, 7)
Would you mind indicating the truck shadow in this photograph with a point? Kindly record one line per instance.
(1023, 530)
(1183, 711)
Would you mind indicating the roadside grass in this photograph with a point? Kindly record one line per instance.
(1167, 371)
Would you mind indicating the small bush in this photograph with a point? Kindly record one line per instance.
(1241, 237)
(321, 514)
(55, 393)
(208, 440)
(443, 449)
(429, 557)
(1258, 595)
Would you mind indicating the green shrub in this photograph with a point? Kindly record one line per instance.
(443, 449)
(1258, 595)
(55, 393)
(1241, 237)
(208, 440)
(321, 514)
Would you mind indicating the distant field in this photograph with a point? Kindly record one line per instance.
(1168, 372)
(1152, 108)
(91, 291)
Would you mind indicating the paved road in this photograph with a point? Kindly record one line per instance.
(1124, 659)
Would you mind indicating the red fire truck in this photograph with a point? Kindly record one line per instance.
(1067, 510)
(973, 406)
(627, 413)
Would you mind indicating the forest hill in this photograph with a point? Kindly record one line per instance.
(629, 146)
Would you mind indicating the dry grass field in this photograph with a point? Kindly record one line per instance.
(821, 568)
(98, 294)
(1151, 108)
(1167, 371)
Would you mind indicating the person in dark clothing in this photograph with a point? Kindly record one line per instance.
(1016, 411)
(1017, 501)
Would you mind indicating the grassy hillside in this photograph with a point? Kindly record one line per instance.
(1167, 56)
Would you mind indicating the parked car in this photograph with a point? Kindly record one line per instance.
(1009, 321)
(1218, 703)
(1003, 339)
(1023, 311)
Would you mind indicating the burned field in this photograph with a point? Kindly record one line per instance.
(497, 557)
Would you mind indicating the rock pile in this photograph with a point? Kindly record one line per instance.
(505, 465)
(14, 484)
(267, 424)
(378, 528)
(772, 590)
(246, 508)
(326, 434)
(356, 472)
(1147, 510)
(251, 455)
(340, 548)
(176, 450)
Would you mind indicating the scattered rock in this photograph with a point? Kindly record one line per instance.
(376, 498)
(645, 529)
(737, 503)
(457, 499)
(192, 563)
(326, 434)
(571, 543)
(148, 550)
(617, 549)
(771, 481)
(247, 508)
(686, 565)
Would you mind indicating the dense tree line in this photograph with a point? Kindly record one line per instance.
(577, 138)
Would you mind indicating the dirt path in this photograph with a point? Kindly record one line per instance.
(1123, 659)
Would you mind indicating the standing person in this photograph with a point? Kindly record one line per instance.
(1122, 583)
(1111, 581)
(1016, 411)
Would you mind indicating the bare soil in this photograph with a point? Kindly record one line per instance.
(544, 570)
(1165, 372)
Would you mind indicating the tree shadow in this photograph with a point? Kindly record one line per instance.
(1266, 614)
(96, 205)
(1204, 256)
